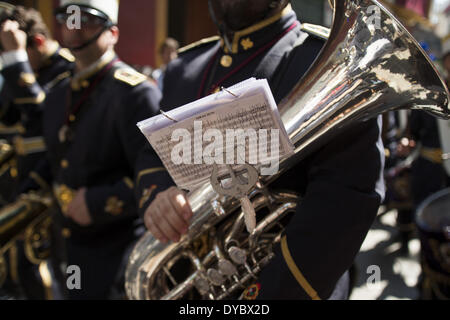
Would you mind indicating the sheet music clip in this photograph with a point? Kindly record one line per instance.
(226, 90)
(167, 116)
(239, 188)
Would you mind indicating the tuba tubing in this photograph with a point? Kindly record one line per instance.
(17, 217)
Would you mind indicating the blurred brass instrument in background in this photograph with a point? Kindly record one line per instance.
(26, 219)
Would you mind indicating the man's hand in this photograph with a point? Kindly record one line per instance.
(12, 37)
(168, 215)
(78, 210)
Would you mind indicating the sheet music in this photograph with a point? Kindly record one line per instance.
(245, 117)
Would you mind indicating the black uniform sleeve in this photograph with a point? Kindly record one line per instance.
(9, 115)
(38, 179)
(416, 124)
(151, 178)
(345, 188)
(26, 93)
(115, 202)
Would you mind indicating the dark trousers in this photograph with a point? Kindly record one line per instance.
(101, 261)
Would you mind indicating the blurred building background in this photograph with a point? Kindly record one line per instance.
(144, 24)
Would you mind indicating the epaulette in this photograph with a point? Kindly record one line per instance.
(130, 76)
(316, 30)
(66, 54)
(198, 44)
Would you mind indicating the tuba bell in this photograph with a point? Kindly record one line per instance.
(369, 65)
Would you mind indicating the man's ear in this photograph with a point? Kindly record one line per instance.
(115, 33)
(38, 40)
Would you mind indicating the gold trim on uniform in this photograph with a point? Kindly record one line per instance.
(114, 206)
(238, 35)
(198, 43)
(66, 54)
(128, 182)
(130, 76)
(296, 271)
(58, 78)
(39, 180)
(27, 79)
(247, 44)
(226, 61)
(34, 100)
(148, 171)
(146, 194)
(64, 195)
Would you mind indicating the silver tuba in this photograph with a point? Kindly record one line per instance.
(370, 65)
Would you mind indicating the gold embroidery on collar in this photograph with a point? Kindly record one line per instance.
(247, 43)
(90, 71)
(238, 35)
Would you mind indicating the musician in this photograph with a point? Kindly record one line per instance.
(34, 58)
(93, 141)
(341, 183)
(37, 58)
(168, 51)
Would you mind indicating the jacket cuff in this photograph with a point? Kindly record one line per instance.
(12, 57)
(149, 185)
(109, 204)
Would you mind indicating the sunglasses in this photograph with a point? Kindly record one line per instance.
(86, 20)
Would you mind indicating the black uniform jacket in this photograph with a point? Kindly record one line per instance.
(25, 90)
